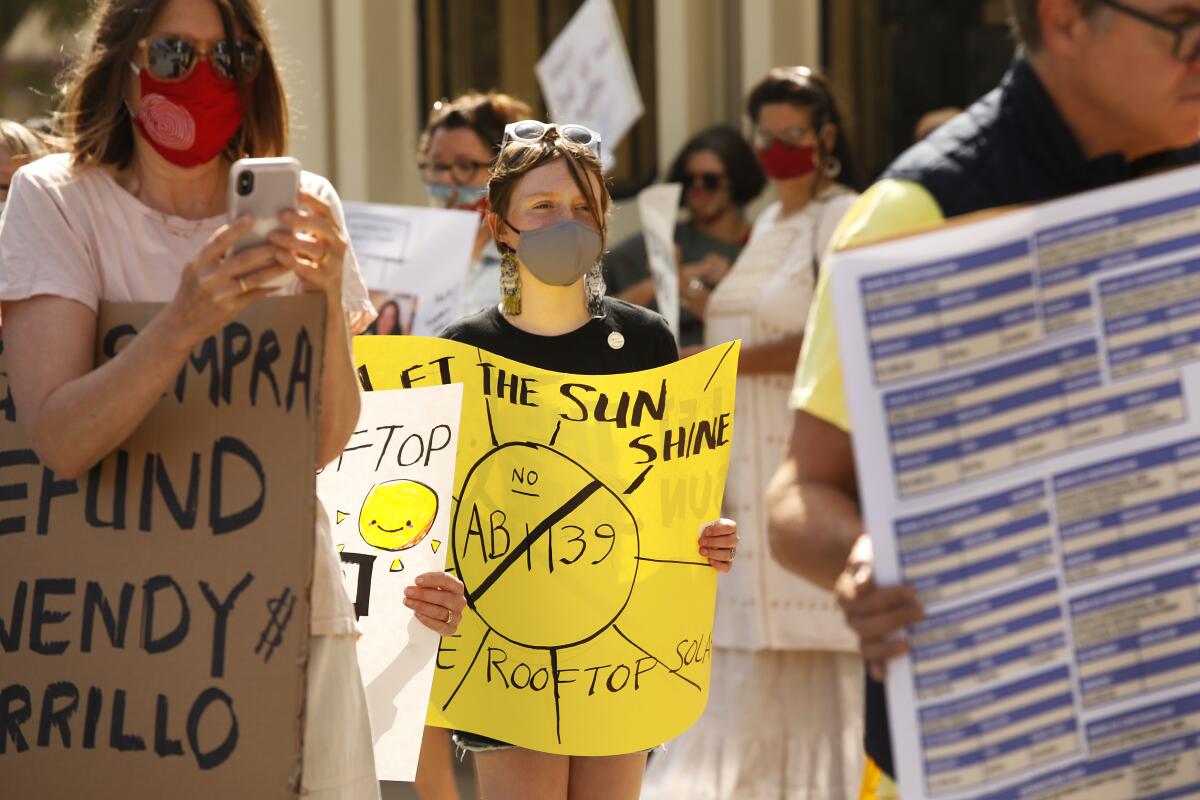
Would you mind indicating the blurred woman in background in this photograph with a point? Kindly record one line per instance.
(18, 146)
(785, 702)
(460, 142)
(720, 176)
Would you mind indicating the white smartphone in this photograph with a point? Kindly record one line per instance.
(262, 188)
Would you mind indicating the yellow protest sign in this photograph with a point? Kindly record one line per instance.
(577, 508)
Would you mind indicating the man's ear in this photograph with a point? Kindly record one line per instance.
(1063, 26)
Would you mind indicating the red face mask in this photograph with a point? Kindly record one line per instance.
(783, 162)
(190, 122)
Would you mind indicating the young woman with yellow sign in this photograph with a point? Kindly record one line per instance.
(548, 214)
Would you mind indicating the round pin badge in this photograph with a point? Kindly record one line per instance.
(616, 340)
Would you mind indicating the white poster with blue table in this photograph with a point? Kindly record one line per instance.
(1023, 393)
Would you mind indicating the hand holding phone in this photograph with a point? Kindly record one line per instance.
(263, 188)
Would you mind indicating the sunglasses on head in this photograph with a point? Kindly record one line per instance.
(531, 131)
(174, 57)
(703, 180)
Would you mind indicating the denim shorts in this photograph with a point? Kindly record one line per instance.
(477, 743)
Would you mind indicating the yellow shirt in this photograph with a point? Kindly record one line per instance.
(889, 208)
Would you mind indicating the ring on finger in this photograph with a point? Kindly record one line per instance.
(242, 285)
(449, 616)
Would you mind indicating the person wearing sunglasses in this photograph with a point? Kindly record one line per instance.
(169, 94)
(785, 704)
(460, 141)
(720, 176)
(548, 210)
(1100, 91)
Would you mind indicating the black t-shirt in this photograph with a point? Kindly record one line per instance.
(627, 338)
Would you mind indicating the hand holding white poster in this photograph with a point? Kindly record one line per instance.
(659, 207)
(587, 77)
(388, 497)
(1022, 389)
(418, 256)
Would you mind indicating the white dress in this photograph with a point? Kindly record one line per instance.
(784, 716)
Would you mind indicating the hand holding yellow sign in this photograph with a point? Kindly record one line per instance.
(578, 506)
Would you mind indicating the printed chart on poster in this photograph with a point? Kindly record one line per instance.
(414, 261)
(577, 510)
(388, 498)
(1024, 393)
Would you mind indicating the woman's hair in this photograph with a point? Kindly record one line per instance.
(21, 141)
(811, 91)
(485, 114)
(746, 178)
(96, 124)
(518, 159)
(390, 304)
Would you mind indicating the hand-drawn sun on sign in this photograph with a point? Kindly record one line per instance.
(506, 550)
(583, 621)
(395, 515)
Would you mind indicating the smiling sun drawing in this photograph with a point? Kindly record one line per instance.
(396, 515)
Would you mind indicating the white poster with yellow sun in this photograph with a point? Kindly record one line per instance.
(388, 497)
(577, 509)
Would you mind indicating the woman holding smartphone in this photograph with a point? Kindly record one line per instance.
(171, 93)
(548, 213)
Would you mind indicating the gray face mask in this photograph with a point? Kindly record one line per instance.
(560, 254)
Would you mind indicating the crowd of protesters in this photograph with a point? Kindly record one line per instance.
(105, 203)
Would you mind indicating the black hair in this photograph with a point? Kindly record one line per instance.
(746, 177)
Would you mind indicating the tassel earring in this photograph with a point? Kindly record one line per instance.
(593, 288)
(510, 284)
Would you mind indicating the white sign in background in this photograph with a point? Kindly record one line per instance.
(587, 77)
(418, 255)
(1024, 395)
(659, 208)
(388, 496)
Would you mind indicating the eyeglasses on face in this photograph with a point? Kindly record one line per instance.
(792, 137)
(1187, 33)
(463, 171)
(173, 58)
(532, 131)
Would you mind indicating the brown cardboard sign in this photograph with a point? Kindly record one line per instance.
(154, 612)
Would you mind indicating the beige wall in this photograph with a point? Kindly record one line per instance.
(301, 49)
(353, 77)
